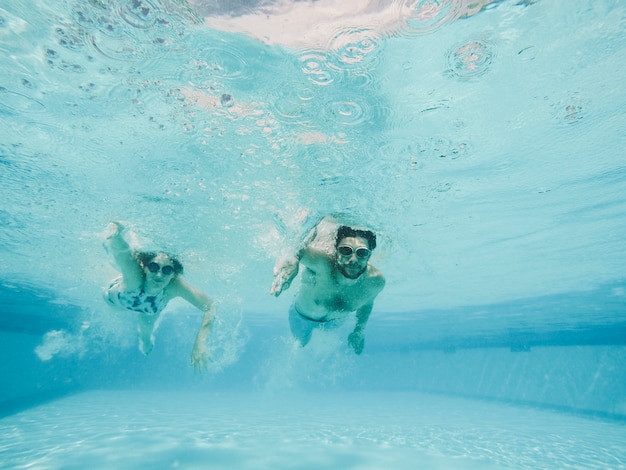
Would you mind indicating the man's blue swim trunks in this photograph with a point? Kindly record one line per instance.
(302, 326)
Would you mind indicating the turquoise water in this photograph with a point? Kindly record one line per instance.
(213, 430)
(483, 145)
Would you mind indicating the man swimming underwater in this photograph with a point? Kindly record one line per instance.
(334, 284)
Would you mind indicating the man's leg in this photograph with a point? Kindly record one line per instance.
(301, 328)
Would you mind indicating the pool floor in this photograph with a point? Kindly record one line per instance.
(269, 430)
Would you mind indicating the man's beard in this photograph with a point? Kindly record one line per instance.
(351, 276)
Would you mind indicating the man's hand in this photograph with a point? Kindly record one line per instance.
(357, 341)
(284, 273)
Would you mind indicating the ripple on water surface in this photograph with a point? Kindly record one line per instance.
(131, 30)
(295, 103)
(316, 66)
(16, 103)
(571, 110)
(355, 48)
(421, 17)
(348, 111)
(470, 59)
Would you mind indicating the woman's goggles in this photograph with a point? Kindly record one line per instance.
(156, 267)
(361, 252)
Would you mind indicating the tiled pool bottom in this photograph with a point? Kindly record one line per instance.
(151, 429)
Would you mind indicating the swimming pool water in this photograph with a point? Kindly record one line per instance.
(151, 429)
(482, 141)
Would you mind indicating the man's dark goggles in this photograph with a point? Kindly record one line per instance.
(155, 267)
(345, 250)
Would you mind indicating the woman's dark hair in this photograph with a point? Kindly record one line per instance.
(345, 231)
(145, 257)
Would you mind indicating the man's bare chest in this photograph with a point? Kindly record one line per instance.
(332, 295)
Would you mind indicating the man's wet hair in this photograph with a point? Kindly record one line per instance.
(345, 231)
(145, 257)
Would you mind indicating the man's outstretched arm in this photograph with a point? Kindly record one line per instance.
(286, 268)
(285, 271)
(356, 339)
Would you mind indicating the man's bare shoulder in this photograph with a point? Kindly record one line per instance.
(315, 257)
(375, 278)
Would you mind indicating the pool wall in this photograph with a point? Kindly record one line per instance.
(26, 315)
(586, 378)
(25, 379)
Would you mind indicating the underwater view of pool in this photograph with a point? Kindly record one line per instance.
(482, 142)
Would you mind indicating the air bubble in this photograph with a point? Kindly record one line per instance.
(226, 100)
(69, 40)
(138, 13)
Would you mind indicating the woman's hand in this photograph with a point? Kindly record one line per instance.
(116, 228)
(200, 357)
(115, 235)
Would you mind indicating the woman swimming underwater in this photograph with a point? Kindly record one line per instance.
(148, 281)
